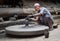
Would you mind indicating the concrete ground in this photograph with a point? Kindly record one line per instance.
(54, 36)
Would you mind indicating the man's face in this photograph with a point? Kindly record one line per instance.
(37, 8)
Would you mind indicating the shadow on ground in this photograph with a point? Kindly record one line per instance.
(24, 36)
(3, 35)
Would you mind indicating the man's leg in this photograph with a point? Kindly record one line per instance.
(48, 22)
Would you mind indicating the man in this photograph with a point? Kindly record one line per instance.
(43, 16)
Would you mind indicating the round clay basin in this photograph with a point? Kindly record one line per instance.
(26, 30)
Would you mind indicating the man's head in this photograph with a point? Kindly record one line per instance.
(37, 6)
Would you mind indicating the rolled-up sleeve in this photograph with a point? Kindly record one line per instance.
(41, 11)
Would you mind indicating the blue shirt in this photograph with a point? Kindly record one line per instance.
(45, 11)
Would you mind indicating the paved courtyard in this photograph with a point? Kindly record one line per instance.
(54, 36)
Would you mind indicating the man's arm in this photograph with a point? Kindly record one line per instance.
(35, 19)
(38, 14)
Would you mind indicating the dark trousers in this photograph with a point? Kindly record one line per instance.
(46, 21)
